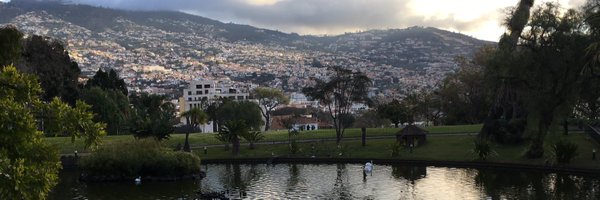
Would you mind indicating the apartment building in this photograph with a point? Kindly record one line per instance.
(200, 93)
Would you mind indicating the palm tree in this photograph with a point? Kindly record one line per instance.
(252, 137)
(233, 130)
(193, 118)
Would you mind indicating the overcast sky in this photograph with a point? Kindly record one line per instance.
(478, 18)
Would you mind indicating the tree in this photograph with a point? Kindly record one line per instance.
(269, 99)
(61, 119)
(233, 130)
(193, 118)
(152, 116)
(463, 96)
(110, 106)
(44, 57)
(538, 82)
(432, 107)
(29, 165)
(213, 111)
(288, 123)
(57, 73)
(556, 43)
(592, 19)
(343, 89)
(371, 119)
(10, 43)
(507, 106)
(107, 81)
(247, 111)
(253, 137)
(393, 111)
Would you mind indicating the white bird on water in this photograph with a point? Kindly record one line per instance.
(138, 180)
(369, 166)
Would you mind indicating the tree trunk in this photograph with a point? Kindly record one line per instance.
(536, 149)
(338, 135)
(364, 136)
(566, 127)
(251, 145)
(396, 124)
(267, 122)
(215, 126)
(235, 142)
(186, 144)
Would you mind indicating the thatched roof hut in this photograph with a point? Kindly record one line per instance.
(410, 133)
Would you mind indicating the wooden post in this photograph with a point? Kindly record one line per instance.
(364, 136)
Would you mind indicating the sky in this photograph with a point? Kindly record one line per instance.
(478, 18)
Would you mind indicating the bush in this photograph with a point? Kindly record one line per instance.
(139, 158)
(564, 151)
(395, 149)
(483, 149)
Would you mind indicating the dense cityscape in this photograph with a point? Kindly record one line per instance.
(163, 61)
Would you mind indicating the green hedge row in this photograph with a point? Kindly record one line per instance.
(139, 158)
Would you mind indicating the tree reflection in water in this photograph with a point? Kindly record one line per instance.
(410, 173)
(511, 184)
(236, 180)
(340, 187)
(294, 179)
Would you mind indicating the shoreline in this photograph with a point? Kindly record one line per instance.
(435, 163)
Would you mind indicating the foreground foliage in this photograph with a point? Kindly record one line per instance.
(139, 158)
(28, 165)
(564, 151)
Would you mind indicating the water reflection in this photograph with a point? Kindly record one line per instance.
(511, 184)
(344, 181)
(411, 173)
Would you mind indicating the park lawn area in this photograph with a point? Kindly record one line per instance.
(198, 140)
(441, 148)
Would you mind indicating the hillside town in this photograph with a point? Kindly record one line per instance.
(161, 61)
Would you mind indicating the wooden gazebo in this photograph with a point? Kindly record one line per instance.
(411, 133)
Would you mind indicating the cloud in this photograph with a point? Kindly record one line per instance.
(338, 16)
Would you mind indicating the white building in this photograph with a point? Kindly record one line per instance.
(201, 93)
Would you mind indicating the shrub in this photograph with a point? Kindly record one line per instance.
(395, 149)
(253, 137)
(483, 149)
(564, 151)
(139, 158)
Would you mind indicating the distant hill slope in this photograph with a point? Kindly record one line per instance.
(98, 19)
(185, 47)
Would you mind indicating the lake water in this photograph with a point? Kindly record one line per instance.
(344, 181)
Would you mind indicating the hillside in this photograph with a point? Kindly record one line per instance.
(163, 49)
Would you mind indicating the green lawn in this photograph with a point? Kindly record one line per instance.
(448, 148)
(201, 139)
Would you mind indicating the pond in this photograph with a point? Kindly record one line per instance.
(343, 181)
